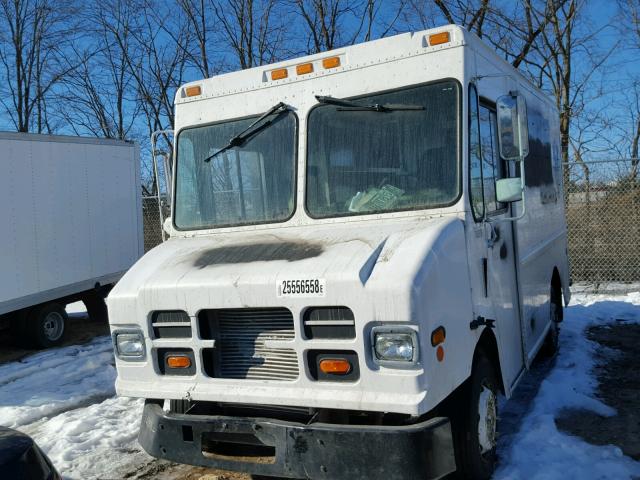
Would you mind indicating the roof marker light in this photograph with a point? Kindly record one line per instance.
(279, 74)
(331, 62)
(439, 38)
(304, 68)
(193, 91)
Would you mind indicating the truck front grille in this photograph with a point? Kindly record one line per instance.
(249, 344)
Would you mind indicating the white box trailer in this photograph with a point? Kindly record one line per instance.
(367, 246)
(71, 227)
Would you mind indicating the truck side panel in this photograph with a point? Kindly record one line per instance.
(70, 218)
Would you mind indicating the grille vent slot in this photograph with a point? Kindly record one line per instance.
(171, 324)
(329, 323)
(249, 344)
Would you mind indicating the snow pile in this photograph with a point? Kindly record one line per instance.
(54, 381)
(539, 450)
(93, 441)
(65, 399)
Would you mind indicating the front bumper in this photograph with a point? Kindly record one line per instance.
(295, 450)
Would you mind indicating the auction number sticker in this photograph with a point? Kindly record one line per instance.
(309, 287)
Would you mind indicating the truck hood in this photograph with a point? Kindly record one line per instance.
(401, 272)
(242, 269)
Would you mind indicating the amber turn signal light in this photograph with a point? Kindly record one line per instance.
(335, 366)
(438, 336)
(178, 361)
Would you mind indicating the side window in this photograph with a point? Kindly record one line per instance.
(476, 193)
(538, 169)
(493, 167)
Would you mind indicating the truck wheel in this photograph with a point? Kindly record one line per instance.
(476, 421)
(45, 325)
(551, 342)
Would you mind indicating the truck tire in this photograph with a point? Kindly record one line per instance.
(474, 422)
(45, 325)
(551, 342)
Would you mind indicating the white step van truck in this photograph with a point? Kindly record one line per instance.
(71, 226)
(367, 247)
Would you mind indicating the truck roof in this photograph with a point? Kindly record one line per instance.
(383, 50)
(38, 137)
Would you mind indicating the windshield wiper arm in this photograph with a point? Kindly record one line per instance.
(349, 106)
(238, 139)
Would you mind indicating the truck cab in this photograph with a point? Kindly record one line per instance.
(367, 246)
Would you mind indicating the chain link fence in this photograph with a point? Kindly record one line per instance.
(152, 221)
(603, 218)
(156, 204)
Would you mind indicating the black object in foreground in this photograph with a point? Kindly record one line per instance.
(20, 457)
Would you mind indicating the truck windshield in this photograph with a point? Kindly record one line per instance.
(368, 161)
(246, 184)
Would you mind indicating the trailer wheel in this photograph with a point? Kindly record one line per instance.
(475, 422)
(45, 325)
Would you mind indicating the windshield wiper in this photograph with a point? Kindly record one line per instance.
(240, 138)
(349, 106)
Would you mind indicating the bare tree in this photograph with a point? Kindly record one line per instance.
(100, 94)
(202, 51)
(629, 124)
(630, 26)
(253, 29)
(470, 14)
(334, 23)
(570, 58)
(158, 66)
(34, 36)
(512, 27)
(635, 139)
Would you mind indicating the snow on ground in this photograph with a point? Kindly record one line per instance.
(93, 441)
(54, 381)
(65, 399)
(538, 450)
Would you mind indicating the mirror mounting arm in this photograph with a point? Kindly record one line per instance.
(524, 203)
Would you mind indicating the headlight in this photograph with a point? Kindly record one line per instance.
(395, 345)
(129, 345)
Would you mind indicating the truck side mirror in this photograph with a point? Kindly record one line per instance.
(509, 190)
(513, 134)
